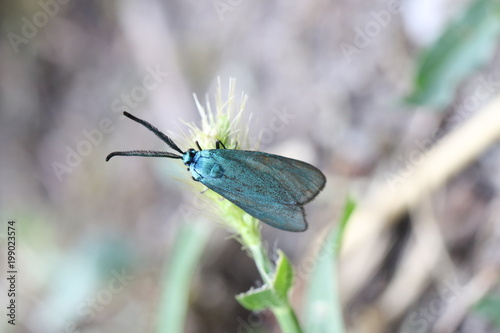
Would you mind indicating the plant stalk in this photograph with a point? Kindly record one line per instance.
(287, 319)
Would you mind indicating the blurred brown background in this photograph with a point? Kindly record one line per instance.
(69, 68)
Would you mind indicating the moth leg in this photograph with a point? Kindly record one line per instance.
(198, 145)
(218, 144)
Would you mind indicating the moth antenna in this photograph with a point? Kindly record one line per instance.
(144, 153)
(156, 131)
(198, 145)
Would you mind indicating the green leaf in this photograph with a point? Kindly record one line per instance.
(259, 299)
(349, 207)
(488, 307)
(323, 312)
(274, 295)
(468, 43)
(187, 250)
(283, 277)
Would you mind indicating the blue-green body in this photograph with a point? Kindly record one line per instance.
(269, 187)
(272, 188)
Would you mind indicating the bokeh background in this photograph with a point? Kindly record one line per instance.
(325, 82)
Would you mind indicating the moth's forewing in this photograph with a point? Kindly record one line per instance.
(269, 187)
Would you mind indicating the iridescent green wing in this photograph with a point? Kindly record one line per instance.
(269, 187)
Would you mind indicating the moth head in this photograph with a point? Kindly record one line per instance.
(188, 156)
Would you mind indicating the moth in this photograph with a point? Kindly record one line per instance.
(271, 188)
